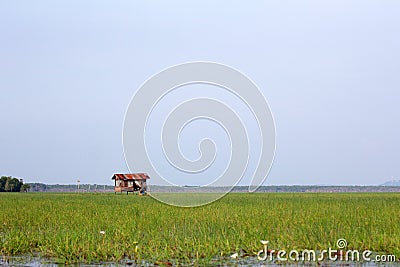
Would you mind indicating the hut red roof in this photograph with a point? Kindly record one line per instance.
(131, 176)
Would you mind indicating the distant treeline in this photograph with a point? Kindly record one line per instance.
(277, 188)
(320, 188)
(11, 184)
(40, 187)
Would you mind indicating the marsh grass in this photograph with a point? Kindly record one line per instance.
(67, 227)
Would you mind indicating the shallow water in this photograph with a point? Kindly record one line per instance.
(37, 261)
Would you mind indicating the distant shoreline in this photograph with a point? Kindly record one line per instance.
(40, 187)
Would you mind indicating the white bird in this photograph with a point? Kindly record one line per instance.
(235, 256)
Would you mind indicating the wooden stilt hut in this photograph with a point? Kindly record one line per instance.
(133, 182)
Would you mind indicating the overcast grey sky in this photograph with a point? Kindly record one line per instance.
(329, 69)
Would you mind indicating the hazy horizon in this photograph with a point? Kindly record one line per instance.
(318, 185)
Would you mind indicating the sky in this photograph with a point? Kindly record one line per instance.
(329, 70)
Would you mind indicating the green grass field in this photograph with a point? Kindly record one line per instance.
(66, 227)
